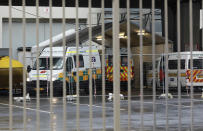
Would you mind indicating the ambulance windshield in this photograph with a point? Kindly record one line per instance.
(81, 61)
(124, 60)
(44, 63)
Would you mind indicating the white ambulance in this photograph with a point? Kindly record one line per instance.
(185, 71)
(57, 72)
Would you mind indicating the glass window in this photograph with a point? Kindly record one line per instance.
(44, 63)
(110, 60)
(81, 61)
(173, 64)
(124, 60)
(182, 64)
(157, 62)
(69, 64)
(197, 64)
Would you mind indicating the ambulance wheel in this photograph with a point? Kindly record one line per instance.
(86, 91)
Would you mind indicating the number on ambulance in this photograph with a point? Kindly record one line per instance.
(93, 59)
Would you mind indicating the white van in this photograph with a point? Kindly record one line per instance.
(57, 72)
(185, 80)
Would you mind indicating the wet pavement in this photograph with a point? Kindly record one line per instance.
(97, 114)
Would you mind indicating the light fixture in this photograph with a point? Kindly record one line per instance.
(141, 32)
(122, 35)
(99, 37)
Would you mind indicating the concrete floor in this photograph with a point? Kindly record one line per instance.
(97, 114)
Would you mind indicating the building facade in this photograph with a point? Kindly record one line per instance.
(17, 28)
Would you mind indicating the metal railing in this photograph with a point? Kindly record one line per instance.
(116, 70)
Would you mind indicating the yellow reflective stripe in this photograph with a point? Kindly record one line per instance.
(67, 79)
(92, 51)
(71, 52)
(200, 76)
(126, 69)
(107, 70)
(40, 76)
(149, 75)
(183, 75)
(85, 77)
(75, 78)
(98, 71)
(41, 89)
(3, 88)
(60, 75)
(111, 70)
(126, 75)
(80, 73)
(172, 74)
(122, 75)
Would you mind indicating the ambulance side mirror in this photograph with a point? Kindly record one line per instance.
(29, 68)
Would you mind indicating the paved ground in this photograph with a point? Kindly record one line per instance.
(97, 114)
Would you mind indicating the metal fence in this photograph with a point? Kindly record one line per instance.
(116, 109)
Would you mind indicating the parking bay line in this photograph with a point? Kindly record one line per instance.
(96, 106)
(160, 103)
(26, 108)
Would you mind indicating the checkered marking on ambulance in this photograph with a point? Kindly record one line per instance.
(197, 75)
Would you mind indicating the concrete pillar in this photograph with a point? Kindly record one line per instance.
(196, 26)
(185, 42)
(185, 26)
(172, 25)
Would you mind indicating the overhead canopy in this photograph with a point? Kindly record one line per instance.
(134, 36)
(96, 32)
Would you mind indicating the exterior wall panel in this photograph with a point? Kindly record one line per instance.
(30, 34)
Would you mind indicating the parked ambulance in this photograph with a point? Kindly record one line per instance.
(186, 78)
(123, 68)
(84, 66)
(57, 71)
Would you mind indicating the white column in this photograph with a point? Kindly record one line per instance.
(1, 40)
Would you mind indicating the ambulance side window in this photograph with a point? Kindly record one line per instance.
(182, 64)
(197, 64)
(173, 64)
(81, 61)
(69, 64)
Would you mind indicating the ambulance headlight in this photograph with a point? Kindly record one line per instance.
(28, 79)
